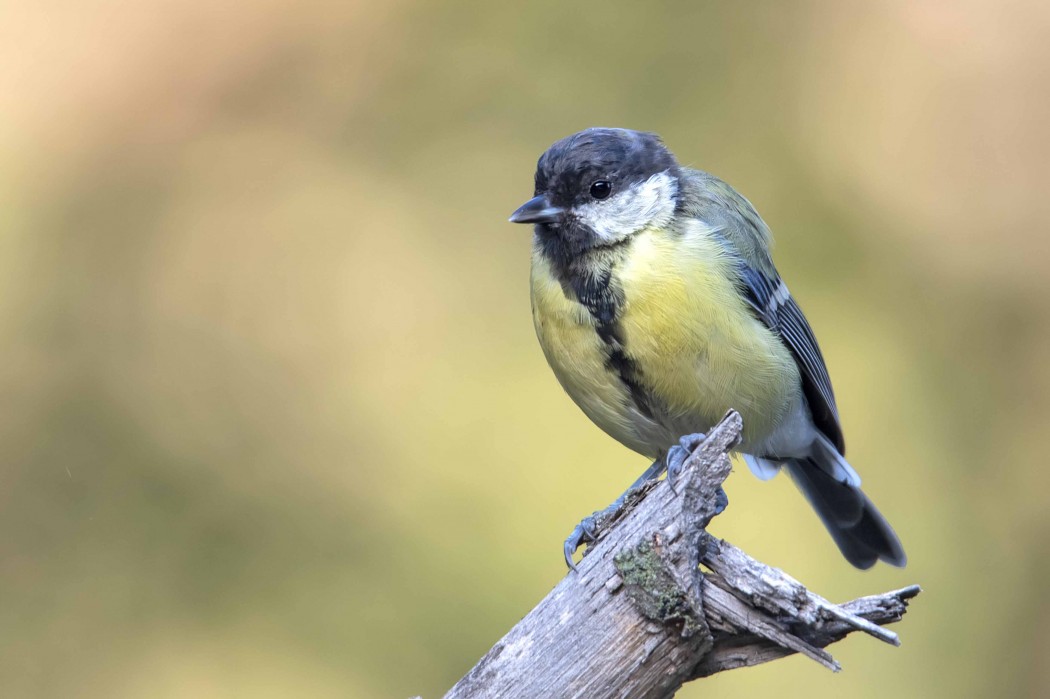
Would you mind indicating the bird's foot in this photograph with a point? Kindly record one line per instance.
(676, 457)
(584, 532)
(587, 530)
(721, 501)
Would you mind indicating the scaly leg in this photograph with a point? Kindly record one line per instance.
(587, 530)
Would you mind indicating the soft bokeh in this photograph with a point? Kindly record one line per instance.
(274, 419)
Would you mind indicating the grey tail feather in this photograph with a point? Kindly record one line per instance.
(861, 532)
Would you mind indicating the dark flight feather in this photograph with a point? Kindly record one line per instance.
(707, 198)
(774, 306)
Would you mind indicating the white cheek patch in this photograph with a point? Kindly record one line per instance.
(648, 204)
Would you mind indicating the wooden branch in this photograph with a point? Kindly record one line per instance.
(657, 601)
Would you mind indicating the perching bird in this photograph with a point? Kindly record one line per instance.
(658, 307)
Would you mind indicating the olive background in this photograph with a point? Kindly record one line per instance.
(274, 420)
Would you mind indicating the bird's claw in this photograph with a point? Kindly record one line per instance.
(584, 532)
(721, 501)
(677, 455)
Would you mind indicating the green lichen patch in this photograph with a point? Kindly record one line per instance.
(651, 586)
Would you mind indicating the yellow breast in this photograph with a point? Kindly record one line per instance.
(578, 357)
(698, 348)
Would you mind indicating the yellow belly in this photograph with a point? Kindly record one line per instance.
(697, 346)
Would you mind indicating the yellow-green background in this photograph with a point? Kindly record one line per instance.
(273, 421)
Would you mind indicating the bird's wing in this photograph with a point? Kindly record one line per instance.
(771, 301)
(748, 239)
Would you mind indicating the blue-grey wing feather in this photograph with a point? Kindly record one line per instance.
(709, 199)
(775, 307)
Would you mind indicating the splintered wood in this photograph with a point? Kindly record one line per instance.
(657, 602)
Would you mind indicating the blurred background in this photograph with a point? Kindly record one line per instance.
(274, 420)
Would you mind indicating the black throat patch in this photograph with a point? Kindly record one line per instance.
(591, 280)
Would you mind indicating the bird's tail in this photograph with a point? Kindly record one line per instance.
(861, 532)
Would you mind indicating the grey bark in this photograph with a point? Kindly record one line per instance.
(657, 602)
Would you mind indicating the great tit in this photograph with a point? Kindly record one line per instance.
(658, 307)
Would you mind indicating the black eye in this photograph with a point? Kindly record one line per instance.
(601, 189)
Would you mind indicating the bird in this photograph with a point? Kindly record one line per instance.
(658, 307)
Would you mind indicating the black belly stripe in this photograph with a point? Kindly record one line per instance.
(630, 375)
(604, 299)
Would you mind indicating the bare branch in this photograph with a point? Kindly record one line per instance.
(657, 602)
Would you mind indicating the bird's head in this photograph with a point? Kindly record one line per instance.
(598, 187)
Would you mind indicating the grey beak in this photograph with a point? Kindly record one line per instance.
(537, 210)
